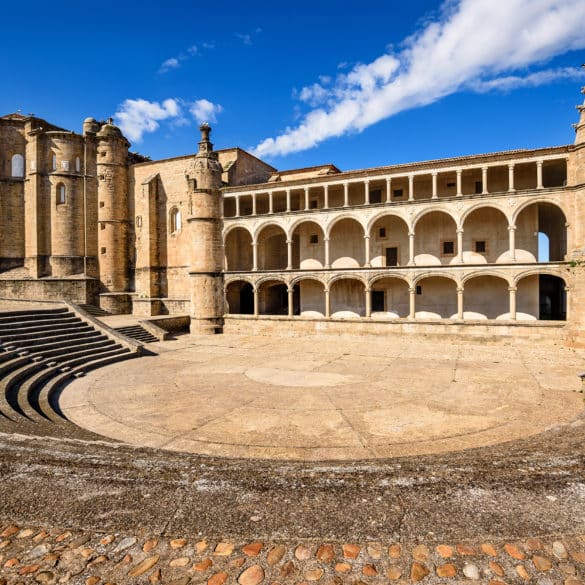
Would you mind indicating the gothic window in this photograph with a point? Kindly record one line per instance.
(53, 162)
(18, 165)
(60, 194)
(175, 220)
(77, 164)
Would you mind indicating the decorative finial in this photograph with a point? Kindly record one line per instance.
(110, 121)
(205, 145)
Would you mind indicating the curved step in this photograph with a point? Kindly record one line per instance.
(53, 341)
(17, 328)
(16, 362)
(29, 391)
(15, 337)
(9, 387)
(32, 314)
(95, 342)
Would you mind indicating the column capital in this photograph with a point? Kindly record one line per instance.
(460, 290)
(435, 173)
(459, 171)
(326, 290)
(254, 244)
(411, 234)
(306, 189)
(484, 168)
(325, 239)
(459, 230)
(367, 289)
(412, 289)
(539, 163)
(367, 237)
(289, 242)
(511, 228)
(512, 288)
(511, 166)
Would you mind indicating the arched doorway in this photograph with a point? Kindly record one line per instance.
(272, 248)
(541, 233)
(238, 250)
(240, 298)
(486, 237)
(273, 298)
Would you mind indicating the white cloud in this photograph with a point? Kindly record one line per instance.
(169, 64)
(205, 111)
(135, 117)
(471, 44)
(533, 80)
(245, 38)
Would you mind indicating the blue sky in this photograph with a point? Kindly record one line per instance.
(304, 83)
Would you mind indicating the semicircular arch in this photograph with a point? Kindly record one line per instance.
(228, 281)
(538, 271)
(378, 277)
(272, 223)
(534, 201)
(480, 273)
(435, 274)
(301, 221)
(341, 217)
(479, 206)
(387, 213)
(433, 209)
(302, 277)
(230, 228)
(339, 277)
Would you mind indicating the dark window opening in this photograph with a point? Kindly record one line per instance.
(376, 196)
(478, 187)
(398, 192)
(480, 247)
(391, 256)
(314, 239)
(448, 248)
(313, 204)
(451, 185)
(419, 290)
(378, 300)
(382, 233)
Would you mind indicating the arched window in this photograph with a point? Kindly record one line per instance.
(60, 194)
(53, 162)
(175, 220)
(17, 165)
(77, 164)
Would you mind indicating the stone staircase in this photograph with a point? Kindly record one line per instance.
(94, 311)
(43, 349)
(138, 333)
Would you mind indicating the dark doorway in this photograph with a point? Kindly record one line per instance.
(391, 256)
(296, 300)
(552, 298)
(247, 299)
(378, 301)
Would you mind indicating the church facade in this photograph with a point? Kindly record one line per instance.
(221, 235)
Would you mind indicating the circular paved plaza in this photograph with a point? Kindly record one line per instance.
(327, 398)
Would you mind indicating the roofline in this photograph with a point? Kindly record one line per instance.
(304, 169)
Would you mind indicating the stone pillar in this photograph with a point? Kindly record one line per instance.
(459, 187)
(539, 184)
(327, 253)
(256, 302)
(484, 180)
(327, 304)
(306, 198)
(290, 292)
(411, 187)
(270, 202)
(254, 256)
(460, 303)
(460, 245)
(512, 291)
(288, 200)
(346, 194)
(237, 206)
(254, 212)
(326, 197)
(206, 245)
(511, 187)
(411, 248)
(366, 192)
(412, 302)
(512, 242)
(389, 190)
(289, 244)
(368, 294)
(367, 251)
(435, 193)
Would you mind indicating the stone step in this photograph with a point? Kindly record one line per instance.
(77, 345)
(56, 330)
(138, 333)
(9, 386)
(53, 341)
(94, 311)
(33, 327)
(7, 316)
(12, 364)
(73, 354)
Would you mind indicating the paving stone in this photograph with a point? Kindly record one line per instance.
(314, 574)
(238, 563)
(541, 563)
(107, 539)
(275, 554)
(325, 553)
(374, 549)
(568, 569)
(98, 560)
(38, 551)
(201, 546)
(124, 544)
(343, 567)
(5, 543)
(144, 566)
(559, 550)
(181, 542)
(155, 576)
(522, 572)
(28, 569)
(489, 549)
(180, 562)
(150, 544)
(94, 580)
(25, 533)
(253, 549)
(86, 553)
(394, 573)
(514, 551)
(63, 536)
(369, 570)
(578, 557)
(447, 570)
(223, 549)
(466, 550)
(180, 581)
(351, 551)
(395, 551)
(51, 559)
(203, 565)
(46, 578)
(444, 550)
(9, 531)
(289, 568)
(302, 552)
(496, 582)
(496, 568)
(471, 571)
(418, 572)
(534, 544)
(420, 553)
(41, 536)
(11, 563)
(218, 579)
(252, 575)
(573, 582)
(79, 541)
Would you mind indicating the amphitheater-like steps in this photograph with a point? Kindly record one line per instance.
(94, 311)
(138, 333)
(40, 352)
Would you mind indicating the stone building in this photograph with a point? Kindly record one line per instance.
(489, 240)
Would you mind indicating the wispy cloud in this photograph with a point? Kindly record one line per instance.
(248, 38)
(189, 53)
(136, 117)
(470, 45)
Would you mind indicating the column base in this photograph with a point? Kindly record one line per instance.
(205, 326)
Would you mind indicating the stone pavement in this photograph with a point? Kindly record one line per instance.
(56, 555)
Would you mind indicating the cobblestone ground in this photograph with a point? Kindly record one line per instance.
(51, 555)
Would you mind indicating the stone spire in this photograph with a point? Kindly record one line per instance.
(205, 145)
(580, 126)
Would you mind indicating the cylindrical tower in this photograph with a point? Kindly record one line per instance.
(205, 225)
(112, 172)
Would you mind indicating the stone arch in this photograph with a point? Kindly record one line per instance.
(387, 213)
(346, 276)
(346, 243)
(238, 252)
(486, 296)
(270, 278)
(308, 247)
(239, 297)
(432, 209)
(396, 276)
(234, 226)
(486, 235)
(390, 296)
(388, 240)
(17, 166)
(437, 297)
(174, 220)
(238, 278)
(541, 295)
(271, 239)
(493, 273)
(347, 296)
(309, 296)
(435, 239)
(340, 217)
(272, 296)
(533, 201)
(267, 224)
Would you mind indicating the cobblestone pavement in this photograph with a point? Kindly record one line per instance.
(31, 554)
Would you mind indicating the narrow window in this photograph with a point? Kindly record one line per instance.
(398, 193)
(382, 233)
(102, 250)
(313, 204)
(102, 204)
(53, 162)
(378, 301)
(175, 220)
(102, 226)
(61, 194)
(480, 247)
(448, 248)
(65, 165)
(17, 165)
(77, 164)
(478, 187)
(419, 289)
(314, 239)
